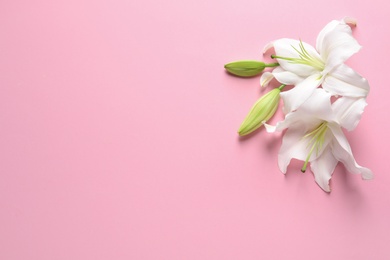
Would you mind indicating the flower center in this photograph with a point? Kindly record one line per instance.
(304, 58)
(317, 139)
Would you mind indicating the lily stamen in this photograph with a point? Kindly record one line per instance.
(304, 58)
(316, 142)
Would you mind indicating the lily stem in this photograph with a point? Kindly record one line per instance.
(272, 64)
(281, 87)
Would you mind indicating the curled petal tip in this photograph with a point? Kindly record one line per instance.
(265, 79)
(267, 47)
(367, 175)
(352, 22)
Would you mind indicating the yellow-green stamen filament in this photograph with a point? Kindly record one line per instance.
(317, 139)
(304, 58)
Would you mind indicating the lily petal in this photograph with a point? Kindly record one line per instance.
(293, 146)
(289, 120)
(286, 77)
(313, 112)
(288, 48)
(318, 106)
(293, 119)
(337, 46)
(267, 47)
(344, 81)
(343, 153)
(328, 28)
(266, 78)
(349, 111)
(323, 168)
(300, 93)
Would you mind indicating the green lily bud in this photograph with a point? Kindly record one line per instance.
(245, 68)
(262, 111)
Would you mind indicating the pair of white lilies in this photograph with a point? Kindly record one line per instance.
(313, 119)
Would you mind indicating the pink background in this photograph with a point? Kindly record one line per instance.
(118, 134)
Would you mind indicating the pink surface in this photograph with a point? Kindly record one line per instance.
(118, 135)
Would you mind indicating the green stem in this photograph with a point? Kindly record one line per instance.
(279, 57)
(281, 87)
(272, 64)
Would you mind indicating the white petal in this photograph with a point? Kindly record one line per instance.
(323, 168)
(289, 120)
(267, 47)
(265, 79)
(300, 93)
(343, 153)
(298, 119)
(345, 81)
(285, 48)
(349, 111)
(286, 77)
(269, 128)
(294, 145)
(313, 112)
(337, 46)
(328, 28)
(318, 106)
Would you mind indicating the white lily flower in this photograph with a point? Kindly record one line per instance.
(314, 135)
(307, 67)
